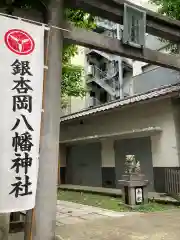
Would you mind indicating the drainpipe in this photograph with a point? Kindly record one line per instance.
(121, 94)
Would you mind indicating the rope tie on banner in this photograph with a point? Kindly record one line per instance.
(59, 28)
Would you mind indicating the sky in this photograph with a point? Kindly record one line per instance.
(139, 2)
(144, 3)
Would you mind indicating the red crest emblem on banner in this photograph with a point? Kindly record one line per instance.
(19, 42)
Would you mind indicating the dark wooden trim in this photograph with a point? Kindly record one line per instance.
(108, 177)
(159, 178)
(16, 227)
(62, 175)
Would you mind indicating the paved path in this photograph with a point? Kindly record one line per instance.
(73, 213)
(94, 223)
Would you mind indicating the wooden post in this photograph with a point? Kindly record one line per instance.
(30, 214)
(45, 210)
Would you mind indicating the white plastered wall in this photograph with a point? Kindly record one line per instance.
(154, 114)
(107, 153)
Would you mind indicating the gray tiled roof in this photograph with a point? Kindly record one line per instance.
(155, 93)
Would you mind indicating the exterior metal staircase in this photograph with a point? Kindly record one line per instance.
(108, 56)
(104, 80)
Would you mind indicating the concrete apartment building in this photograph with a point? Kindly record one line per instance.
(131, 108)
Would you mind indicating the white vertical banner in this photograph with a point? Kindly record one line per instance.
(21, 77)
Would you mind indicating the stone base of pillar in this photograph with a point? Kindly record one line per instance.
(4, 226)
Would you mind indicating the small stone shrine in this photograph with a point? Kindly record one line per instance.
(134, 183)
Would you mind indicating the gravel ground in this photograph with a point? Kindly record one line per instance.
(151, 226)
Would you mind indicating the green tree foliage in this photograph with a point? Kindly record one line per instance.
(170, 8)
(72, 75)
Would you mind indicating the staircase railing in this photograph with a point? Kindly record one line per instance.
(101, 77)
(104, 75)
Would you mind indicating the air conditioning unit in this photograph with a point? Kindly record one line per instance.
(90, 70)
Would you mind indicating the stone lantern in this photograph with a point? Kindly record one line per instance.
(134, 183)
